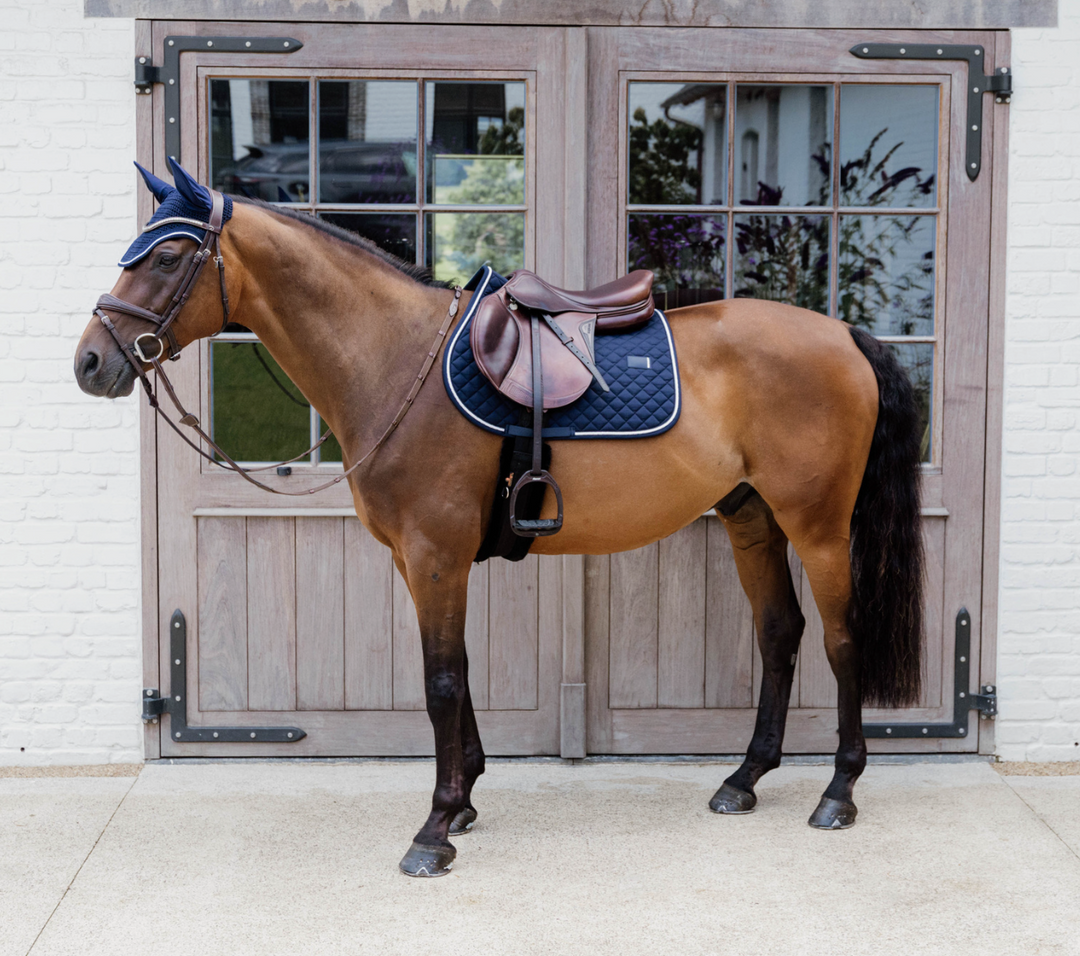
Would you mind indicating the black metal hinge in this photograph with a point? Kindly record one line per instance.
(146, 74)
(978, 82)
(963, 701)
(155, 706)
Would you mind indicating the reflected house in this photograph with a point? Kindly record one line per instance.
(711, 116)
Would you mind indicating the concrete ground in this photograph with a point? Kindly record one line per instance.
(596, 858)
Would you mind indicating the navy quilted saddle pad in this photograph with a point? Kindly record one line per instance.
(640, 366)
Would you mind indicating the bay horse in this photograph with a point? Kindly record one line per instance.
(794, 427)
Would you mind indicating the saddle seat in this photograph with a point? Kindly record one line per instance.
(501, 335)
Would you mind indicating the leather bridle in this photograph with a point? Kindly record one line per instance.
(168, 347)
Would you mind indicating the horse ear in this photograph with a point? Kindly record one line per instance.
(194, 192)
(158, 187)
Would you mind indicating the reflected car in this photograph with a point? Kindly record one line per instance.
(350, 172)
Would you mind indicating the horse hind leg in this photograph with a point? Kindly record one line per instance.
(828, 568)
(760, 549)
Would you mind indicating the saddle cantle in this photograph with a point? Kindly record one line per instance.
(501, 334)
(534, 343)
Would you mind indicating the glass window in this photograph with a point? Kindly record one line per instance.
(678, 143)
(785, 136)
(431, 171)
(259, 139)
(475, 143)
(725, 147)
(888, 145)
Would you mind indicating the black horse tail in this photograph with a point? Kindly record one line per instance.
(885, 618)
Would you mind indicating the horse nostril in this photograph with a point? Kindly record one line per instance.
(91, 362)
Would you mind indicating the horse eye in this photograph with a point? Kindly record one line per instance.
(167, 259)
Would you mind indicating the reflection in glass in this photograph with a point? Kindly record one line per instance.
(258, 414)
(918, 359)
(259, 139)
(475, 136)
(784, 135)
(459, 243)
(685, 252)
(393, 232)
(888, 145)
(367, 141)
(678, 143)
(886, 277)
(783, 258)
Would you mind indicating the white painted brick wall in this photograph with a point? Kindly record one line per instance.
(70, 671)
(69, 545)
(1039, 639)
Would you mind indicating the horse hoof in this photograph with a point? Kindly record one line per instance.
(729, 799)
(463, 822)
(424, 860)
(833, 814)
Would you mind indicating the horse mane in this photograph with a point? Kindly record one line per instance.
(421, 274)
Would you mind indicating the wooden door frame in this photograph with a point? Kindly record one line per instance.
(569, 263)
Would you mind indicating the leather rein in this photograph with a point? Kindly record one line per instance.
(168, 347)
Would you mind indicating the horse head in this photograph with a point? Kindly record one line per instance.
(139, 320)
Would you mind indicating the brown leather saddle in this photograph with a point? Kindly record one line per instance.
(534, 343)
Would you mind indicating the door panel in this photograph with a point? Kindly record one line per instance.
(703, 134)
(296, 614)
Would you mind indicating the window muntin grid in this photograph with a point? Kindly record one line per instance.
(858, 238)
(421, 186)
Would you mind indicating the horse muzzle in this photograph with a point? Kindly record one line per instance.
(103, 370)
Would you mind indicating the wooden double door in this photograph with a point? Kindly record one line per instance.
(730, 162)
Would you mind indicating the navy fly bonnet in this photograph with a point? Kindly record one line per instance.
(187, 200)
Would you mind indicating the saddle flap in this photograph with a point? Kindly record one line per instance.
(502, 346)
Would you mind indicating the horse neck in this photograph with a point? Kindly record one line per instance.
(349, 329)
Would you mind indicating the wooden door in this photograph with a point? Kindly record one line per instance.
(718, 158)
(295, 614)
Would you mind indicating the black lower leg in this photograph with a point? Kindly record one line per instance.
(779, 635)
(837, 810)
(431, 853)
(472, 752)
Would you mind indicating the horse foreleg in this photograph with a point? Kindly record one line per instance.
(440, 598)
(472, 751)
(760, 550)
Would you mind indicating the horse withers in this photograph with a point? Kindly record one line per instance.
(794, 426)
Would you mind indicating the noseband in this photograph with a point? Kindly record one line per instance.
(168, 347)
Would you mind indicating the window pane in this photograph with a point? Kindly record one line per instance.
(258, 414)
(783, 258)
(918, 359)
(685, 252)
(330, 450)
(259, 139)
(783, 138)
(367, 142)
(475, 140)
(392, 232)
(886, 278)
(678, 143)
(459, 243)
(888, 145)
